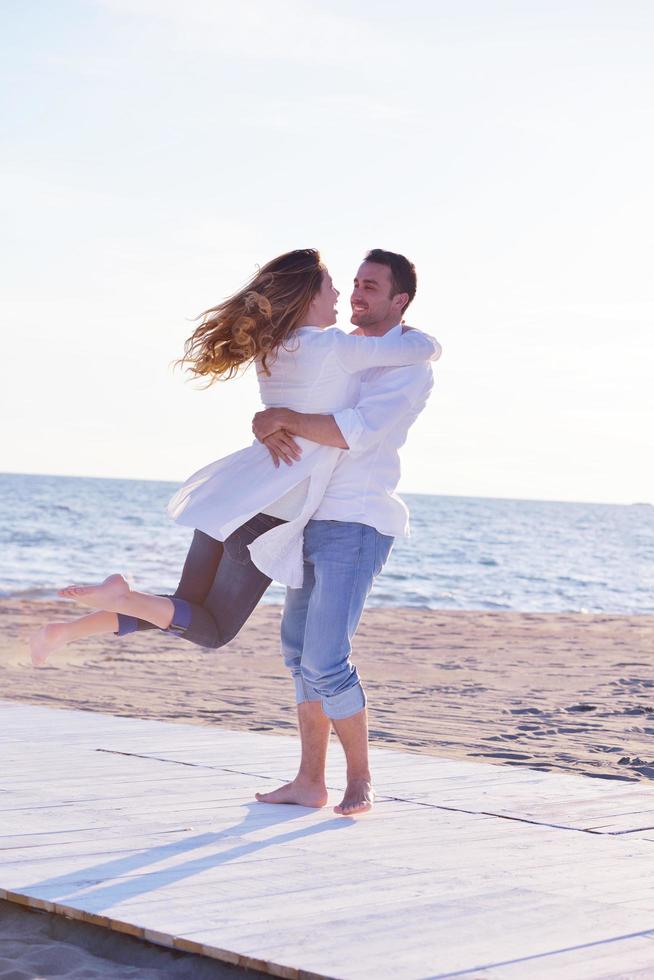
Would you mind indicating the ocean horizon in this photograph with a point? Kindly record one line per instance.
(463, 553)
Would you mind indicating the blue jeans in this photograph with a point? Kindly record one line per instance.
(341, 561)
(219, 588)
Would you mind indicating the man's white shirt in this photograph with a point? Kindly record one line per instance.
(363, 484)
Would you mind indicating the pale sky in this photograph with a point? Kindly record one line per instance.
(154, 152)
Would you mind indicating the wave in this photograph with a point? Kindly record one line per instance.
(35, 592)
(465, 553)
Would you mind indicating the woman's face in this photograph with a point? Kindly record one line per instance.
(322, 309)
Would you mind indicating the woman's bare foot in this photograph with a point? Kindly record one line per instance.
(359, 798)
(299, 791)
(52, 637)
(104, 596)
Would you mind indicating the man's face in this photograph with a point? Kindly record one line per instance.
(371, 298)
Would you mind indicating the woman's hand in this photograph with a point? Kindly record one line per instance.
(281, 445)
(269, 421)
(268, 427)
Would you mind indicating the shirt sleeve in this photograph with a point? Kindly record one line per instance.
(382, 403)
(395, 349)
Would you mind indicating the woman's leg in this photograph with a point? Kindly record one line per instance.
(141, 611)
(196, 580)
(115, 595)
(197, 577)
(56, 635)
(235, 591)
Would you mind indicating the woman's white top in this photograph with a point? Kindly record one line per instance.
(318, 374)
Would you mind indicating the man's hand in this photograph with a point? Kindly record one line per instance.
(269, 421)
(281, 445)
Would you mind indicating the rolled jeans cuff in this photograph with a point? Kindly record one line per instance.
(181, 620)
(126, 624)
(346, 704)
(303, 690)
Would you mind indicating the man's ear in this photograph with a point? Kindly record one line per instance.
(401, 301)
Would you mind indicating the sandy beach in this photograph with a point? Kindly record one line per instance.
(554, 692)
(37, 945)
(566, 692)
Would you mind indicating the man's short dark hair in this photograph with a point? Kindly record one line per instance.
(403, 272)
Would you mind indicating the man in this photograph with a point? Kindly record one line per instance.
(348, 539)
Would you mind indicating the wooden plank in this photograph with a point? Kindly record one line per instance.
(606, 960)
(160, 837)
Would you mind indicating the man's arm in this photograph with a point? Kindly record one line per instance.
(382, 402)
(397, 395)
(317, 428)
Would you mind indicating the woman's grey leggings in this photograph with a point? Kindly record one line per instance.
(219, 588)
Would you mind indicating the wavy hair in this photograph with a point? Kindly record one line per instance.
(253, 323)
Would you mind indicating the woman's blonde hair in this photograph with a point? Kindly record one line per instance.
(258, 319)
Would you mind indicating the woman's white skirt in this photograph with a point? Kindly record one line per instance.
(222, 496)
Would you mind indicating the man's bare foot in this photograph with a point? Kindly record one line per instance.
(359, 798)
(299, 791)
(46, 641)
(103, 596)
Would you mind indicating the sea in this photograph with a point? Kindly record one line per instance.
(463, 552)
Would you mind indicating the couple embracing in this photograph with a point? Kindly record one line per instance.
(311, 504)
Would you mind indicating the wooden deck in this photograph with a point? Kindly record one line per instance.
(464, 869)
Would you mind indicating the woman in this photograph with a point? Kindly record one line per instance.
(248, 514)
